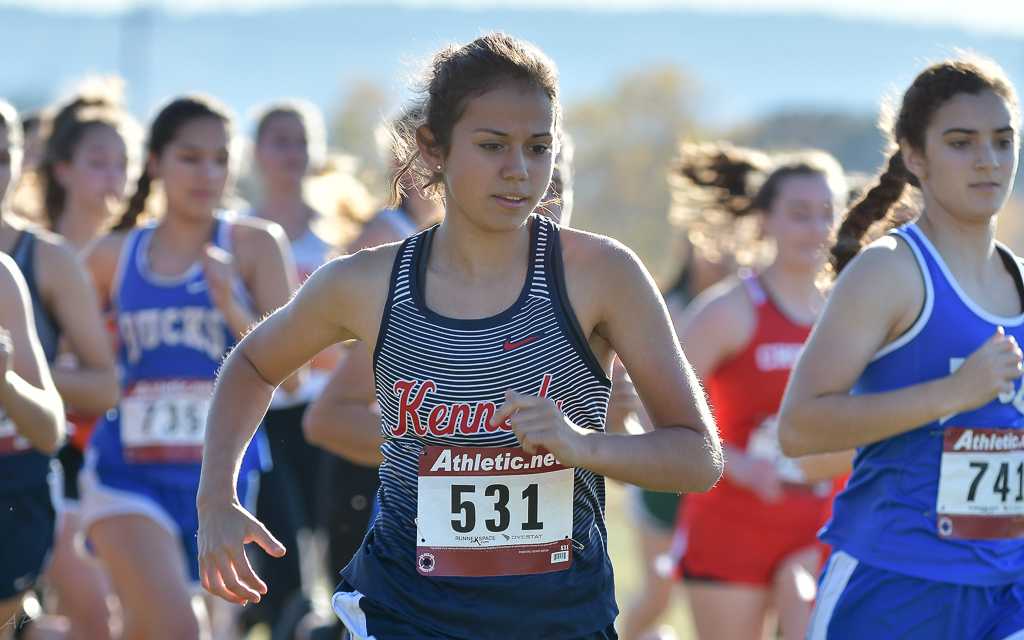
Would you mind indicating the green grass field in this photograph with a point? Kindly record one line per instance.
(622, 547)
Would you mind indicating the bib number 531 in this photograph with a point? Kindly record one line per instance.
(464, 507)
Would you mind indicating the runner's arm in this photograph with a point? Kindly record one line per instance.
(682, 453)
(27, 393)
(271, 280)
(272, 351)
(343, 420)
(89, 385)
(873, 299)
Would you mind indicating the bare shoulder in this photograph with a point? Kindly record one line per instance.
(598, 255)
(370, 265)
(249, 233)
(723, 314)
(887, 265)
(54, 251)
(353, 289)
(376, 231)
(724, 301)
(12, 288)
(103, 254)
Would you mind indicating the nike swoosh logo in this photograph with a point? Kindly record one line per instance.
(509, 345)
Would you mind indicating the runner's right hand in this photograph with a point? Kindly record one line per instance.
(758, 475)
(988, 372)
(224, 568)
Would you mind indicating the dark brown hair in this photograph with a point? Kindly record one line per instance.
(717, 186)
(932, 88)
(455, 75)
(64, 130)
(175, 115)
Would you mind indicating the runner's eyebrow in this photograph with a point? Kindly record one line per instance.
(503, 134)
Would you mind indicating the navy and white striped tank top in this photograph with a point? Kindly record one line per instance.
(21, 466)
(438, 382)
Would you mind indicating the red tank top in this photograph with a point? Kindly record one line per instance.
(745, 393)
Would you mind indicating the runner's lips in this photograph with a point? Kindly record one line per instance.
(510, 199)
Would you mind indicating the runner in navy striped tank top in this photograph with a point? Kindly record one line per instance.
(31, 417)
(493, 333)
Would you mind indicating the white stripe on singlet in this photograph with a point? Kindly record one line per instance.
(840, 567)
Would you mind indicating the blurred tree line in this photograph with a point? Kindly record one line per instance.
(625, 140)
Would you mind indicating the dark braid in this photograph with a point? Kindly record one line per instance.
(873, 206)
(137, 203)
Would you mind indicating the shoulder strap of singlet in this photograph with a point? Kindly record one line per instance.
(220, 235)
(399, 290)
(126, 260)
(1012, 265)
(404, 269)
(928, 271)
(542, 234)
(752, 284)
(559, 293)
(23, 255)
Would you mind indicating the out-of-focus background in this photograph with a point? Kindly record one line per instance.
(636, 76)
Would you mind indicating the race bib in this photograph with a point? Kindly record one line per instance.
(165, 421)
(981, 484)
(492, 512)
(11, 442)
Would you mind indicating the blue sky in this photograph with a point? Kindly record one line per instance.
(996, 16)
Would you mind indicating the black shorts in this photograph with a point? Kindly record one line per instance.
(28, 522)
(71, 461)
(375, 621)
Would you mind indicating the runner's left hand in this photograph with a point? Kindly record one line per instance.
(219, 270)
(538, 423)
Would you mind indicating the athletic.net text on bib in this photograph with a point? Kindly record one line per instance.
(981, 484)
(493, 512)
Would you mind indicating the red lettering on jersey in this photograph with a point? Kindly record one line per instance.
(484, 412)
(438, 417)
(408, 410)
(445, 419)
(460, 418)
(545, 384)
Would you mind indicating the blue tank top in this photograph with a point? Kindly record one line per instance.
(20, 465)
(172, 340)
(449, 482)
(922, 503)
